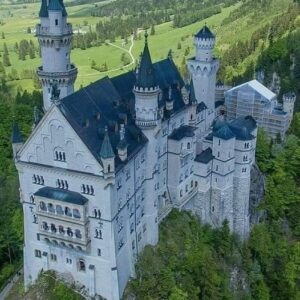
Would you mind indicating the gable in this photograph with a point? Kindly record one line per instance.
(55, 143)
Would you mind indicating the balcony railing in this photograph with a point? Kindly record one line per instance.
(40, 30)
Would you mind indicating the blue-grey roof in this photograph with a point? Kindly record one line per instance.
(201, 106)
(106, 148)
(205, 33)
(241, 133)
(64, 12)
(182, 132)
(247, 122)
(113, 101)
(146, 74)
(290, 95)
(219, 103)
(43, 10)
(55, 5)
(16, 136)
(224, 133)
(240, 128)
(61, 195)
(205, 156)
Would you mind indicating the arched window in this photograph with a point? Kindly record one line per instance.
(59, 210)
(56, 22)
(196, 183)
(108, 168)
(45, 226)
(189, 145)
(69, 232)
(68, 212)
(63, 244)
(76, 213)
(186, 188)
(192, 184)
(81, 265)
(78, 234)
(181, 193)
(51, 208)
(43, 206)
(61, 229)
(53, 228)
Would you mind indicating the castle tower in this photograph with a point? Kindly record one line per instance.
(289, 100)
(146, 92)
(204, 67)
(222, 177)
(54, 35)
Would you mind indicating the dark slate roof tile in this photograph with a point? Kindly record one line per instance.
(205, 156)
(224, 133)
(61, 195)
(182, 132)
(205, 33)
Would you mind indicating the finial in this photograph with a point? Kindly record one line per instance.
(122, 132)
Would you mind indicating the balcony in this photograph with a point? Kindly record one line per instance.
(72, 72)
(44, 31)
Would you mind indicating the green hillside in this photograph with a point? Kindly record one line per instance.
(229, 29)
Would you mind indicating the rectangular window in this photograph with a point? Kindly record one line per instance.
(53, 257)
(99, 252)
(38, 253)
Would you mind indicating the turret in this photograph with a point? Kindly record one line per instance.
(107, 156)
(204, 42)
(203, 69)
(289, 100)
(55, 35)
(16, 140)
(146, 91)
(123, 145)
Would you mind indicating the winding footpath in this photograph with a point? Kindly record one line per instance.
(129, 51)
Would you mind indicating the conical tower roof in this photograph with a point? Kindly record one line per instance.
(205, 33)
(16, 136)
(106, 148)
(192, 92)
(43, 10)
(146, 74)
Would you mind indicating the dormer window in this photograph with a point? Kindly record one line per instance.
(59, 155)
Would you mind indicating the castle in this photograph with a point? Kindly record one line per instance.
(107, 163)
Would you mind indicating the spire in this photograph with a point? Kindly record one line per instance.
(106, 148)
(43, 10)
(36, 116)
(192, 93)
(123, 143)
(16, 137)
(145, 75)
(64, 12)
(205, 33)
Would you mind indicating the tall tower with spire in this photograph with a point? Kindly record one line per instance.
(55, 35)
(146, 91)
(203, 68)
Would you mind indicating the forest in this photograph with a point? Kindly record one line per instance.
(192, 260)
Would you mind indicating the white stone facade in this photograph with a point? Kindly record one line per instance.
(89, 219)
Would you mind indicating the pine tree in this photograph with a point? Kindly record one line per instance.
(152, 31)
(5, 49)
(6, 61)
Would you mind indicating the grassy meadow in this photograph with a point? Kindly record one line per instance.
(17, 18)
